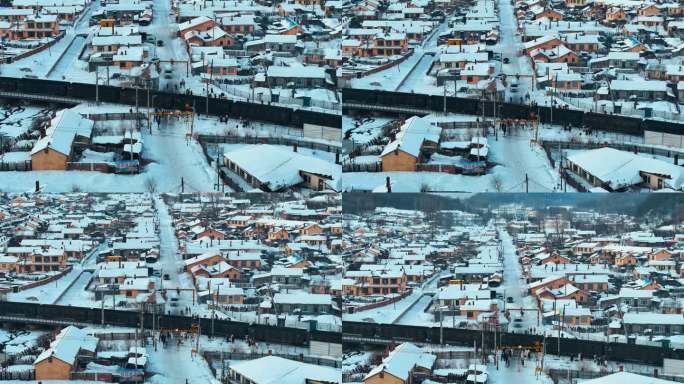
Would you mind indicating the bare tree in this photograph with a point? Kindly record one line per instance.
(150, 185)
(497, 183)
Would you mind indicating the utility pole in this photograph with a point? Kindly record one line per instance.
(136, 351)
(97, 85)
(496, 327)
(218, 174)
(213, 314)
(445, 92)
(137, 116)
(148, 106)
(211, 77)
(441, 329)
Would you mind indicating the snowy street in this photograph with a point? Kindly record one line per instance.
(510, 47)
(177, 158)
(514, 286)
(169, 257)
(512, 270)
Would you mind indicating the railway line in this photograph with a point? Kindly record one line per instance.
(64, 92)
(59, 315)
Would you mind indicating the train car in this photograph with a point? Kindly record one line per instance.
(176, 321)
(283, 335)
(632, 353)
(263, 112)
(164, 100)
(359, 96)
(463, 105)
(359, 328)
(407, 333)
(107, 94)
(514, 111)
(43, 87)
(8, 84)
(300, 117)
(128, 96)
(571, 117)
(119, 318)
(544, 115)
(326, 336)
(225, 328)
(8, 308)
(83, 91)
(403, 99)
(662, 126)
(217, 107)
(613, 123)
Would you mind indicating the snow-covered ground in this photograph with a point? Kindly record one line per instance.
(16, 120)
(17, 341)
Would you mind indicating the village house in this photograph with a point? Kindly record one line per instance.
(399, 366)
(68, 130)
(63, 357)
(306, 304)
(416, 138)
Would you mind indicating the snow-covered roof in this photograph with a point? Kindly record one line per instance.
(621, 169)
(646, 318)
(128, 40)
(309, 72)
(278, 168)
(639, 85)
(63, 129)
(624, 378)
(277, 370)
(411, 136)
(402, 360)
(193, 23)
(302, 298)
(67, 345)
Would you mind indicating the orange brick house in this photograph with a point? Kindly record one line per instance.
(625, 260)
(62, 357)
(661, 254)
(553, 258)
(198, 24)
(376, 283)
(205, 259)
(313, 229)
(222, 67)
(277, 234)
(132, 287)
(551, 282)
(565, 292)
(241, 260)
(8, 264)
(219, 270)
(210, 233)
(544, 42)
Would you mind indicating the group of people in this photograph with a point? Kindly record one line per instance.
(508, 354)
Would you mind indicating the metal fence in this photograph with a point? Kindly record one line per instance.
(362, 167)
